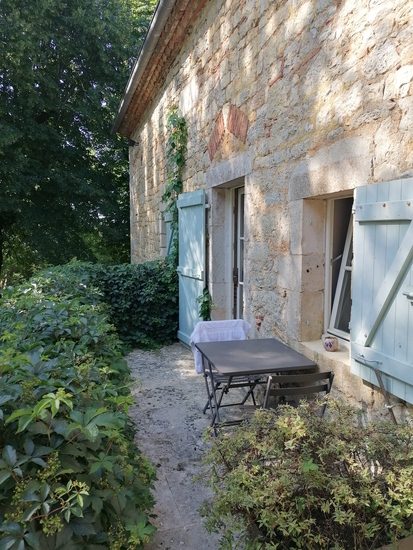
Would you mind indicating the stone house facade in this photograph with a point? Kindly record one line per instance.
(291, 106)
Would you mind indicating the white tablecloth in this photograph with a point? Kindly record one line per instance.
(217, 331)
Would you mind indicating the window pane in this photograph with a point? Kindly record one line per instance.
(241, 214)
(350, 254)
(241, 302)
(342, 321)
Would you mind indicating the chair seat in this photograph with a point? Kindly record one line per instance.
(289, 388)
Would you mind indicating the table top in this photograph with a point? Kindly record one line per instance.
(257, 356)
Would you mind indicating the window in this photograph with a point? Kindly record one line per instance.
(238, 253)
(165, 233)
(339, 267)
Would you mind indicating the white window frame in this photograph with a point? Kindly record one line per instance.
(344, 267)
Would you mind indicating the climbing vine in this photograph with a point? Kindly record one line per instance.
(176, 147)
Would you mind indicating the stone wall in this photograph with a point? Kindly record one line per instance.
(317, 96)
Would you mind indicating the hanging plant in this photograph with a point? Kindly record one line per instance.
(176, 147)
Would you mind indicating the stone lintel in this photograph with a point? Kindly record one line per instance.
(343, 165)
(228, 170)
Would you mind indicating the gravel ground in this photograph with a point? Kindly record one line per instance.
(169, 398)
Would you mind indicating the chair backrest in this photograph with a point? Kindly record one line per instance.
(217, 331)
(286, 386)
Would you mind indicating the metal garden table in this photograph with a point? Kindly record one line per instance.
(235, 360)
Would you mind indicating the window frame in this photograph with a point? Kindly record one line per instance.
(344, 267)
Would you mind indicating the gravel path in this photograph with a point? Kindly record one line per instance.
(169, 398)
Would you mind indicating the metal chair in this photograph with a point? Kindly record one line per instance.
(289, 388)
(219, 331)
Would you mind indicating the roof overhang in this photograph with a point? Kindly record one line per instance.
(170, 26)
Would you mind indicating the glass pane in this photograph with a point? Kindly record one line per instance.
(241, 214)
(349, 259)
(241, 261)
(241, 302)
(342, 321)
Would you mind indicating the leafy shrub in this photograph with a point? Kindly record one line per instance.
(142, 299)
(291, 479)
(70, 475)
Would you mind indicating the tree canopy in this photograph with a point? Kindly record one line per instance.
(63, 173)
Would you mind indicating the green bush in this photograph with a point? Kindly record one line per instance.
(291, 479)
(142, 299)
(70, 475)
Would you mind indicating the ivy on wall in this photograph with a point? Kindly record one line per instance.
(176, 147)
(205, 305)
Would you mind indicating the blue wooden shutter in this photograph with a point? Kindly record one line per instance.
(382, 286)
(191, 269)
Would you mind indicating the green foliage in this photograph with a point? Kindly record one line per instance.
(70, 475)
(64, 174)
(176, 147)
(205, 305)
(291, 480)
(142, 299)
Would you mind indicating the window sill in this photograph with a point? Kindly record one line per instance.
(315, 351)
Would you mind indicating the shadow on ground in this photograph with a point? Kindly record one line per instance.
(169, 398)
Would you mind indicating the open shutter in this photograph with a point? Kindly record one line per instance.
(382, 286)
(191, 269)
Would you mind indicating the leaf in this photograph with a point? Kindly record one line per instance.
(5, 399)
(61, 427)
(33, 540)
(7, 542)
(24, 421)
(44, 491)
(83, 527)
(109, 420)
(91, 414)
(39, 462)
(4, 475)
(30, 495)
(11, 528)
(77, 416)
(27, 516)
(17, 414)
(28, 446)
(38, 428)
(9, 455)
(77, 511)
(92, 432)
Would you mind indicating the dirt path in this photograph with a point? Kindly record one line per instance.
(169, 398)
